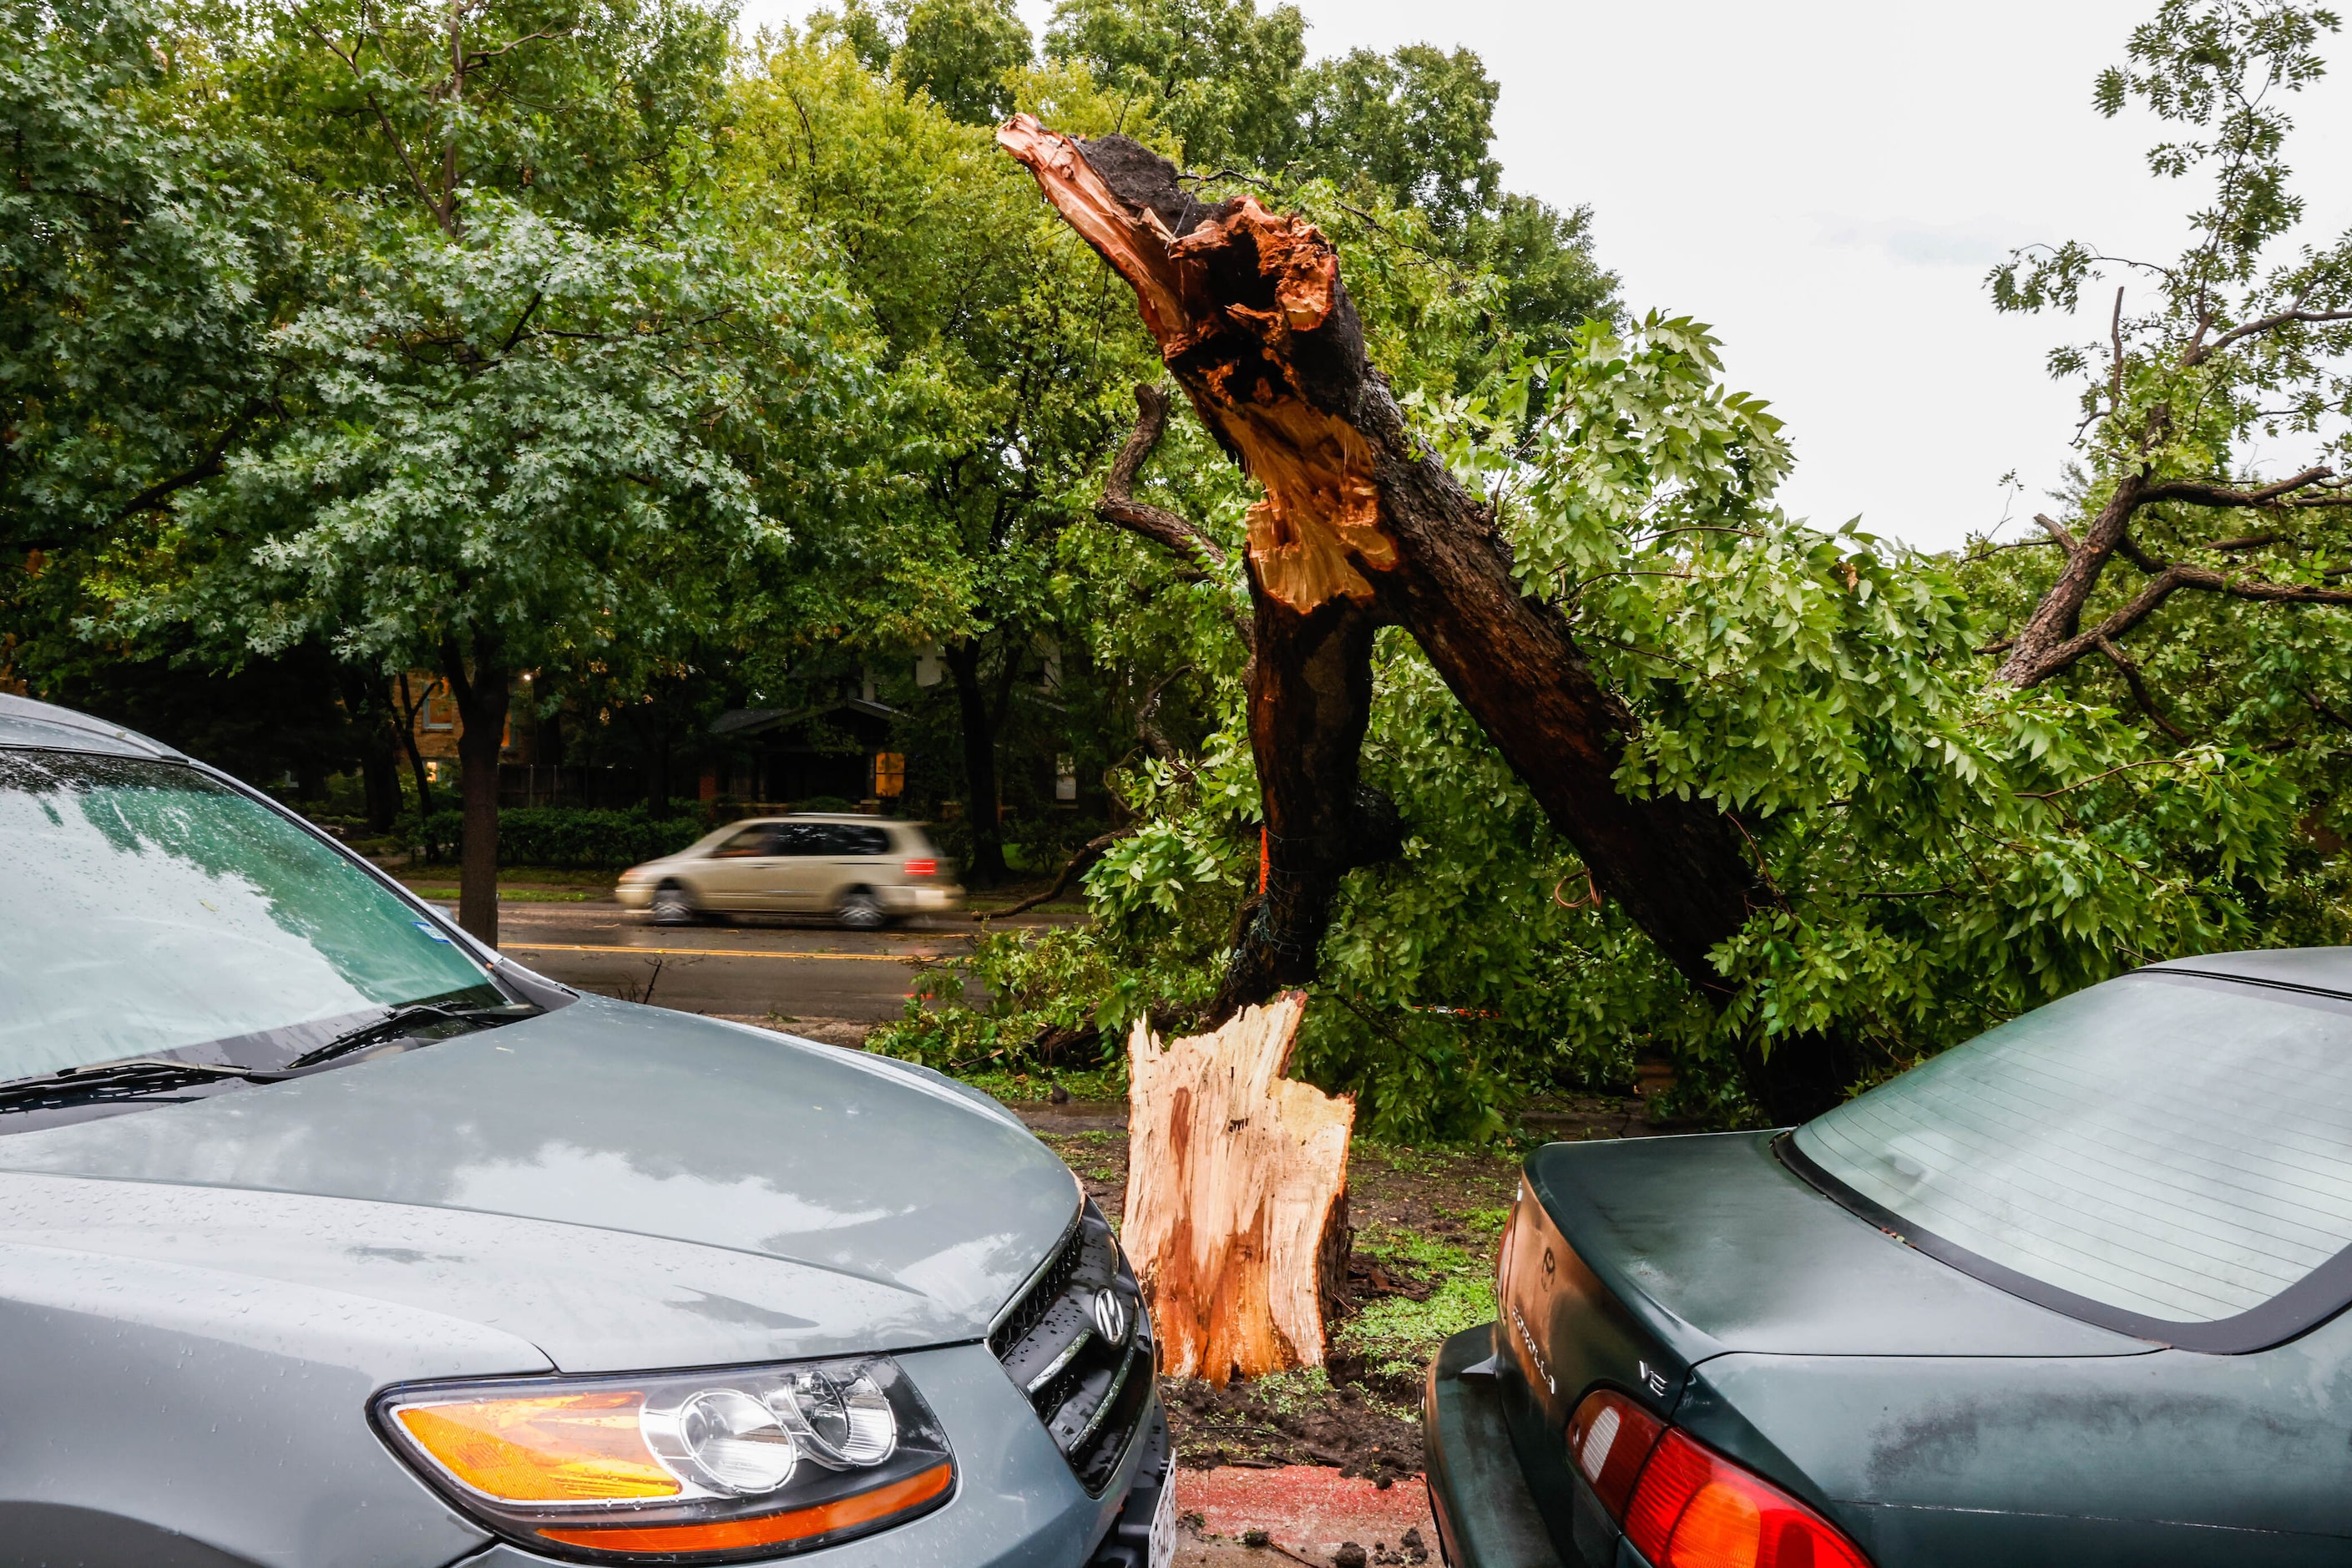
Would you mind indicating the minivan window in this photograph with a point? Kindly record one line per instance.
(757, 842)
(153, 908)
(2174, 1147)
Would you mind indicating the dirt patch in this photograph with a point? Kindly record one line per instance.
(1294, 1420)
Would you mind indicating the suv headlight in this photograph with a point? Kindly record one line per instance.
(692, 1467)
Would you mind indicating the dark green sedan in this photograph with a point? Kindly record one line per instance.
(2069, 1294)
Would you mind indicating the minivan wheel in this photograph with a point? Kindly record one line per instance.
(861, 911)
(674, 906)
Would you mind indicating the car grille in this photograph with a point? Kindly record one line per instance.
(1090, 1388)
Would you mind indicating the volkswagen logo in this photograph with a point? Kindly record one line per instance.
(1112, 1318)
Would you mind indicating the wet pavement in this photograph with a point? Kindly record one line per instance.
(774, 970)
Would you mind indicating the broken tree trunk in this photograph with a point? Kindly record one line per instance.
(1361, 528)
(1237, 1211)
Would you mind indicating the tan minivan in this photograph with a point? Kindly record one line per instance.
(864, 871)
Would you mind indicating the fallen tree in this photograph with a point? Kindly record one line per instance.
(1361, 528)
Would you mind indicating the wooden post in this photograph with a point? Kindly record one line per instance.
(1236, 1212)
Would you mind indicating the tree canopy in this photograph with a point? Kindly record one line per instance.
(685, 372)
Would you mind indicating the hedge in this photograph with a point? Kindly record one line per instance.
(571, 837)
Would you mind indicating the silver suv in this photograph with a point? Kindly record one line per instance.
(864, 871)
(332, 1238)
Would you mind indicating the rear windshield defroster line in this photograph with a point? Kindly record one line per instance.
(2292, 1313)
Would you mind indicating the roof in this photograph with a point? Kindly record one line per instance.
(44, 725)
(755, 720)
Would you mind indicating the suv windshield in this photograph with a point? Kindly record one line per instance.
(153, 908)
(2172, 1148)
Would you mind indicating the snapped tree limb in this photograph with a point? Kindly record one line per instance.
(1361, 528)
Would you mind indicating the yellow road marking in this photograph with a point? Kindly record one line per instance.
(717, 952)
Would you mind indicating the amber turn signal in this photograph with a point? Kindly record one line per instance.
(565, 1448)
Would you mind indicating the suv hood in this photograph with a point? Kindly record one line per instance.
(621, 1186)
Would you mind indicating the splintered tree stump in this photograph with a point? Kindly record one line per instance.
(1236, 1214)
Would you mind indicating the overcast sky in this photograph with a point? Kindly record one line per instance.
(1827, 183)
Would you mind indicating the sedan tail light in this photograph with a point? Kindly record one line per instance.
(922, 868)
(1609, 1437)
(1688, 1507)
(1695, 1509)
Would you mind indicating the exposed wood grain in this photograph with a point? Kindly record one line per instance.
(1236, 1215)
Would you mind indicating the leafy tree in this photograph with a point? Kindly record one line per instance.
(2234, 342)
(1222, 78)
(1411, 131)
(540, 410)
(1938, 856)
(1415, 123)
(142, 262)
(538, 448)
(1009, 351)
(961, 52)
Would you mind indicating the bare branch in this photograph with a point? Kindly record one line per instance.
(2116, 334)
(399, 147)
(1118, 506)
(1088, 853)
(483, 57)
(2266, 324)
(2094, 778)
(2129, 549)
(1152, 738)
(2161, 588)
(208, 466)
(2058, 532)
(2197, 493)
(2131, 673)
(521, 322)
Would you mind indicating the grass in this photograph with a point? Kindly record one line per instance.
(1397, 1335)
(1098, 1155)
(1091, 1083)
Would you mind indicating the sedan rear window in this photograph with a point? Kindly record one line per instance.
(2171, 1147)
(151, 909)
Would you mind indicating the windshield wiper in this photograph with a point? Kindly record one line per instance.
(408, 1020)
(110, 1081)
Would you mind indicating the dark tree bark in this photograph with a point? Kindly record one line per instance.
(1310, 686)
(408, 705)
(656, 765)
(980, 722)
(376, 727)
(380, 786)
(482, 701)
(1361, 528)
(2052, 638)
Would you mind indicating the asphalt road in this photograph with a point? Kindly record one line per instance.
(775, 969)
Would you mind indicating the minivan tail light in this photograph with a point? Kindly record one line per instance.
(1608, 1439)
(922, 868)
(1695, 1509)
